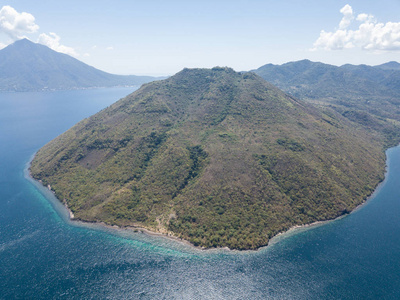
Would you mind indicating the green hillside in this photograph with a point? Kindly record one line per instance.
(368, 96)
(215, 157)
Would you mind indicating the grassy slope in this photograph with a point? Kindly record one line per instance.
(213, 156)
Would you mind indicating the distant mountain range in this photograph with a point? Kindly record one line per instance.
(368, 95)
(27, 66)
(307, 79)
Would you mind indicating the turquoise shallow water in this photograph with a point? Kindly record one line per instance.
(45, 256)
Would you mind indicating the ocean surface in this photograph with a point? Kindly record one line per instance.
(43, 255)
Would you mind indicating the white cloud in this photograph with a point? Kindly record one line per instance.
(52, 41)
(370, 35)
(365, 18)
(16, 24)
(110, 48)
(2, 46)
(347, 12)
(333, 40)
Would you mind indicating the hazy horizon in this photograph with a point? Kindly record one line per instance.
(161, 38)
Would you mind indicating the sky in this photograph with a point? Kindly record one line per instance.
(162, 37)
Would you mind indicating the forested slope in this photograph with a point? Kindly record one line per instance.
(216, 157)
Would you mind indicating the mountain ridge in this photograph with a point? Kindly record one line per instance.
(391, 65)
(367, 95)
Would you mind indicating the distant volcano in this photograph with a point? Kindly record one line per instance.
(26, 66)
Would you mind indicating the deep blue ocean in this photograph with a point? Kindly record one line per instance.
(43, 255)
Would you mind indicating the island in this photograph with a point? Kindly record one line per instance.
(215, 157)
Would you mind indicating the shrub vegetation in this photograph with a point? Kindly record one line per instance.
(215, 157)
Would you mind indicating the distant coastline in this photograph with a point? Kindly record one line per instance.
(69, 89)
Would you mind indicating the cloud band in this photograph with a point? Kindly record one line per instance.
(370, 34)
